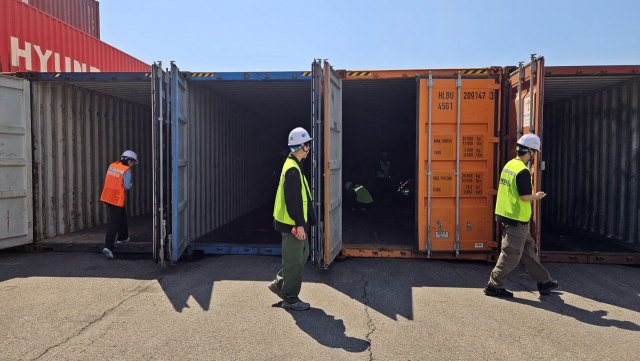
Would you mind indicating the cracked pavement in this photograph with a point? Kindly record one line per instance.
(80, 306)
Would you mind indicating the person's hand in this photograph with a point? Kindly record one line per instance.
(300, 234)
(540, 195)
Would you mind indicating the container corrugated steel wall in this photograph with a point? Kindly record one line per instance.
(31, 40)
(226, 162)
(81, 14)
(76, 135)
(592, 156)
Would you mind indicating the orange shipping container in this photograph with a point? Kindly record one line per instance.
(457, 154)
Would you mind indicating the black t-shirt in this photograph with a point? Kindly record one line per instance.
(523, 182)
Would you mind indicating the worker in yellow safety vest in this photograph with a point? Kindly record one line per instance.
(383, 175)
(118, 180)
(513, 209)
(293, 213)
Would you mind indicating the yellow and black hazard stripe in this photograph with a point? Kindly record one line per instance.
(475, 71)
(56, 75)
(358, 73)
(147, 75)
(305, 73)
(202, 75)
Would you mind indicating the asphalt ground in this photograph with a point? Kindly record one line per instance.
(80, 306)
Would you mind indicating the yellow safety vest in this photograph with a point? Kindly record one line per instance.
(509, 204)
(280, 208)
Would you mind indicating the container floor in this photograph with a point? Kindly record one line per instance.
(388, 222)
(255, 227)
(560, 238)
(140, 232)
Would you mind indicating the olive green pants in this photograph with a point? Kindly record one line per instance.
(294, 256)
(517, 246)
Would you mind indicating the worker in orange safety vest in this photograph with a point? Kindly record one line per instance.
(118, 180)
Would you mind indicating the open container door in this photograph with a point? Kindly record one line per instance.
(317, 107)
(525, 101)
(331, 220)
(179, 163)
(161, 158)
(15, 162)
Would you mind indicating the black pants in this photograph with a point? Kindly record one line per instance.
(117, 225)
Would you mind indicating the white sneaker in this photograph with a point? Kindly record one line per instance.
(124, 241)
(107, 253)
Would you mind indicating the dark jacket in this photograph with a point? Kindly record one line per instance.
(293, 201)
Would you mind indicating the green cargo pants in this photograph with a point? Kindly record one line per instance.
(518, 245)
(294, 256)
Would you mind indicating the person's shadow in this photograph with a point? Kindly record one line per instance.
(326, 329)
(554, 303)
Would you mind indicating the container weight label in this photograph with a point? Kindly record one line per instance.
(442, 234)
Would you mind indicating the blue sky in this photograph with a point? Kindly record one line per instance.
(248, 35)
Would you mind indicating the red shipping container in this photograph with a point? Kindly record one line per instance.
(82, 14)
(31, 40)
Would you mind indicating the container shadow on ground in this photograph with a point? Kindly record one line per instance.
(383, 285)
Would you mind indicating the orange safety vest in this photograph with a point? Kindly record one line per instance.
(113, 192)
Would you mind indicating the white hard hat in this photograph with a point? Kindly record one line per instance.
(530, 141)
(298, 136)
(129, 154)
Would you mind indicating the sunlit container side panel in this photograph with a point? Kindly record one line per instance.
(81, 14)
(32, 40)
(76, 135)
(224, 144)
(592, 146)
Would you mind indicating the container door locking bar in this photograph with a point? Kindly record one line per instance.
(532, 108)
(428, 246)
(456, 244)
(520, 113)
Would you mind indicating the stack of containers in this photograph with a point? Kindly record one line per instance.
(81, 14)
(32, 40)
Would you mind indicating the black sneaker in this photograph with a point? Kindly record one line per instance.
(546, 288)
(298, 306)
(273, 287)
(497, 292)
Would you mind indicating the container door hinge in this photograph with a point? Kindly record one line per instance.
(494, 86)
(494, 140)
(492, 192)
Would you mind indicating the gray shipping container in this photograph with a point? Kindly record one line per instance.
(77, 132)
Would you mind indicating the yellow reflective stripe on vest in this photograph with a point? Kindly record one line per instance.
(280, 212)
(508, 203)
